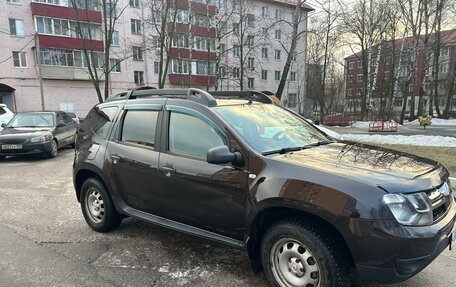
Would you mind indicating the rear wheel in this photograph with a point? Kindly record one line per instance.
(294, 253)
(97, 207)
(54, 149)
(2, 157)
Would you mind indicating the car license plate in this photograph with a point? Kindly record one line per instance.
(11, 146)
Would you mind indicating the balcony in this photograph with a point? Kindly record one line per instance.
(185, 80)
(196, 30)
(65, 12)
(48, 41)
(184, 53)
(67, 73)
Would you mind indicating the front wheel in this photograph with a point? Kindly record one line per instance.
(294, 253)
(97, 207)
(54, 149)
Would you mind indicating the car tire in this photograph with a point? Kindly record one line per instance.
(97, 207)
(54, 149)
(2, 157)
(294, 253)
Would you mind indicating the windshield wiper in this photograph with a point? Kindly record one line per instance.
(282, 150)
(297, 148)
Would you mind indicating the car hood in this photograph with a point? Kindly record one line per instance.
(388, 169)
(23, 132)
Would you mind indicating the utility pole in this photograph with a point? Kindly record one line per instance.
(38, 58)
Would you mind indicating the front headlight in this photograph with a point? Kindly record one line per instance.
(41, 139)
(410, 209)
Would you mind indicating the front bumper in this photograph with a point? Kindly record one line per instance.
(27, 149)
(387, 252)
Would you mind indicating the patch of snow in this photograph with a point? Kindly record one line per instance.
(434, 122)
(415, 140)
(329, 132)
(361, 124)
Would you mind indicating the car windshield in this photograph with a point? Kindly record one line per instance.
(270, 129)
(32, 120)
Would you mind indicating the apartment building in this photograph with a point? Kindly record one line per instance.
(199, 56)
(395, 85)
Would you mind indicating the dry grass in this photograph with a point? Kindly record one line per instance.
(445, 155)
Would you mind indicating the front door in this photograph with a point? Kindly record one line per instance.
(203, 195)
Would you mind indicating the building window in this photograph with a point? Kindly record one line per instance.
(134, 3)
(236, 7)
(292, 100)
(295, 56)
(443, 68)
(398, 103)
(114, 65)
(139, 77)
(350, 92)
(236, 73)
(350, 65)
(180, 41)
(157, 68)
(250, 83)
(277, 75)
(137, 53)
(251, 41)
(264, 12)
(293, 76)
(251, 20)
(360, 64)
(236, 28)
(135, 26)
(277, 54)
(180, 66)
(236, 51)
(359, 78)
(56, 57)
(264, 74)
(278, 34)
(16, 27)
(278, 14)
(19, 60)
(203, 43)
(115, 38)
(264, 53)
(222, 4)
(201, 20)
(111, 10)
(251, 63)
(222, 49)
(264, 33)
(444, 51)
(18, 2)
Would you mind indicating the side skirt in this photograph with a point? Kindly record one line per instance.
(174, 225)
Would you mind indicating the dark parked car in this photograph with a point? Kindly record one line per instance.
(37, 133)
(308, 209)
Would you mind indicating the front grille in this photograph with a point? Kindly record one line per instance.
(13, 141)
(440, 201)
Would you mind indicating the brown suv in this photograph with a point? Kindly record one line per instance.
(308, 209)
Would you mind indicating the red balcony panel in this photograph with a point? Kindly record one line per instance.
(203, 31)
(197, 80)
(180, 28)
(182, 4)
(41, 9)
(201, 8)
(193, 54)
(70, 43)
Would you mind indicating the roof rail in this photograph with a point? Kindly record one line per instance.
(252, 96)
(191, 94)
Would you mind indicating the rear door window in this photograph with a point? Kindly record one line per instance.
(139, 127)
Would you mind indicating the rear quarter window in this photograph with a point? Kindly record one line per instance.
(2, 111)
(99, 121)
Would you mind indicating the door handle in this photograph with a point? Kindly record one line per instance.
(115, 158)
(167, 170)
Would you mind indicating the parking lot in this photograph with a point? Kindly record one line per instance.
(46, 242)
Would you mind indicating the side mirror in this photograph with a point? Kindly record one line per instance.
(3, 125)
(223, 155)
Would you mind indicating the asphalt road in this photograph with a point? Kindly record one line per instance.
(449, 131)
(44, 241)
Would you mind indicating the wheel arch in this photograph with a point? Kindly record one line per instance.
(84, 174)
(266, 218)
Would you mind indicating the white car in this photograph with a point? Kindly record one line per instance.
(5, 115)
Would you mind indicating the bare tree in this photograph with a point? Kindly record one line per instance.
(99, 65)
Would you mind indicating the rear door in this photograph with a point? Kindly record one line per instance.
(207, 196)
(133, 155)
